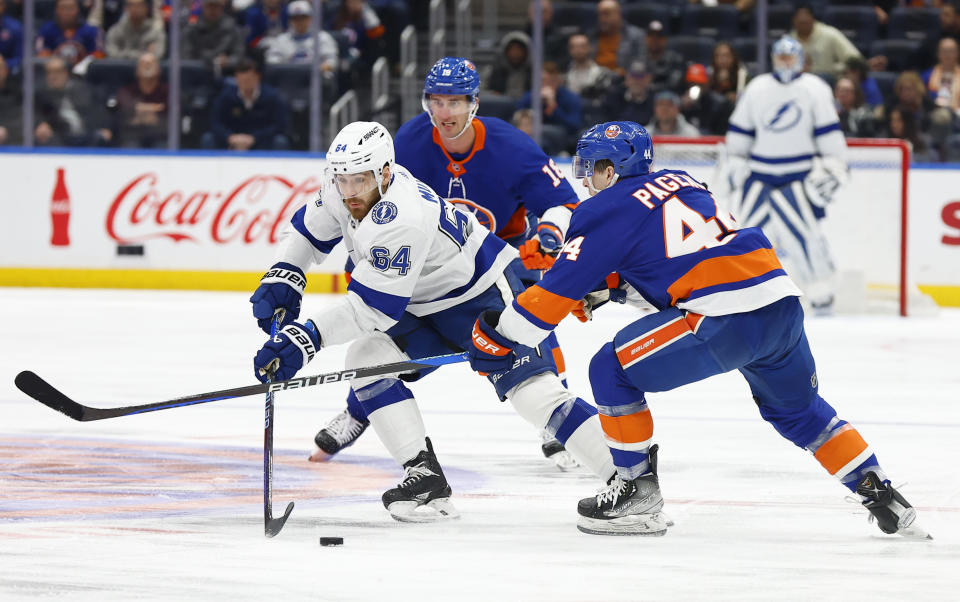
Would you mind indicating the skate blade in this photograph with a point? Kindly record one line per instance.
(914, 531)
(433, 511)
(663, 516)
(647, 525)
(564, 461)
(320, 456)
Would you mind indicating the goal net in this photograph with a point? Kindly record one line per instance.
(865, 226)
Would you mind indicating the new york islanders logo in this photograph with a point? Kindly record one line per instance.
(483, 215)
(469, 65)
(612, 131)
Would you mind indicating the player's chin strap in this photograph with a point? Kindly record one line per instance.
(594, 191)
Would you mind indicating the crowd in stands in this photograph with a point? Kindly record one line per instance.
(676, 67)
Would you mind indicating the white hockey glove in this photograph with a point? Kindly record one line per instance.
(614, 291)
(825, 179)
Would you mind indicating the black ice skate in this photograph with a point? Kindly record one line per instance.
(626, 507)
(554, 450)
(342, 431)
(892, 512)
(423, 495)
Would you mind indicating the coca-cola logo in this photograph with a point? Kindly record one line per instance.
(255, 210)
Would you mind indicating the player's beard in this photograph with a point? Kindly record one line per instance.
(360, 206)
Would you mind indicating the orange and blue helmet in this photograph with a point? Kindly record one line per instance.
(624, 143)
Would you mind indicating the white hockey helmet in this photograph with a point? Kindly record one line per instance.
(360, 147)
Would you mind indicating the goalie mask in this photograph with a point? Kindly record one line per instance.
(452, 76)
(360, 147)
(787, 59)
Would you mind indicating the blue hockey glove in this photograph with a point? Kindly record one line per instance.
(280, 288)
(491, 351)
(540, 252)
(550, 239)
(289, 350)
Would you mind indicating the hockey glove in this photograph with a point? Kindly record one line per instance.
(540, 252)
(289, 350)
(824, 180)
(611, 291)
(491, 351)
(280, 288)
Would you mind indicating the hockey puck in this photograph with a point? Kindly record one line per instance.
(331, 541)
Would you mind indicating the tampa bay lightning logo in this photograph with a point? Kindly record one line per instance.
(383, 212)
(783, 117)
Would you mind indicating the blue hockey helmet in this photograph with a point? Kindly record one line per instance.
(625, 143)
(787, 59)
(453, 75)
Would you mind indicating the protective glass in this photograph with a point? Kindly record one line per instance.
(582, 168)
(355, 184)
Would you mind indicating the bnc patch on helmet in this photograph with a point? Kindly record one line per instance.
(383, 212)
(371, 133)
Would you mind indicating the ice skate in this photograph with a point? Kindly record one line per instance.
(554, 450)
(424, 495)
(892, 512)
(626, 507)
(342, 431)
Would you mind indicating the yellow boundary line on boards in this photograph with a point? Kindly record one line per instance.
(319, 282)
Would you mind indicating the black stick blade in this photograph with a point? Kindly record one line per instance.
(272, 526)
(45, 393)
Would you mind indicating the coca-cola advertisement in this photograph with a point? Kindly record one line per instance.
(197, 213)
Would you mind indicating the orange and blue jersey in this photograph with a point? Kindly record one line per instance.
(666, 236)
(503, 176)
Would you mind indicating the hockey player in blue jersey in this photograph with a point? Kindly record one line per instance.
(487, 167)
(423, 271)
(725, 303)
(786, 161)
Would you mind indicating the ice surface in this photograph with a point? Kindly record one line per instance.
(168, 505)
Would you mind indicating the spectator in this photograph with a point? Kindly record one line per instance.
(561, 106)
(11, 40)
(215, 39)
(510, 75)
(103, 14)
(585, 77)
(362, 26)
(707, 110)
(617, 42)
(248, 115)
(856, 69)
(631, 100)
(728, 76)
(667, 119)
(68, 36)
(910, 96)
(523, 121)
(554, 37)
(943, 80)
(296, 45)
(949, 28)
(142, 107)
(11, 119)
(265, 20)
(66, 112)
(825, 46)
(856, 118)
(902, 124)
(665, 65)
(137, 32)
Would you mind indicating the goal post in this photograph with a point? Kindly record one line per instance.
(866, 224)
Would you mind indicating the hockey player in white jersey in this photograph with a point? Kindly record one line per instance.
(424, 270)
(786, 161)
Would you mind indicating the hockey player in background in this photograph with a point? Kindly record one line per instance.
(487, 167)
(725, 303)
(424, 270)
(786, 161)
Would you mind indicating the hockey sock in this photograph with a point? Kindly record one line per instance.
(395, 417)
(355, 408)
(843, 453)
(629, 431)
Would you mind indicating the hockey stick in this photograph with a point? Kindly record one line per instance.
(48, 395)
(271, 526)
